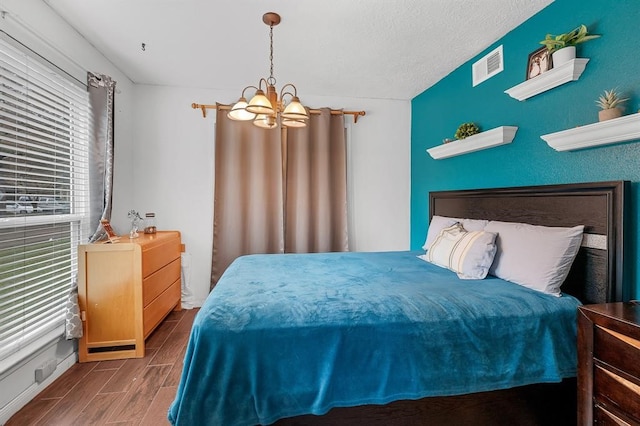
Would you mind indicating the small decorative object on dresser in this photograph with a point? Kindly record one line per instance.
(608, 367)
(135, 218)
(610, 103)
(562, 47)
(111, 235)
(150, 223)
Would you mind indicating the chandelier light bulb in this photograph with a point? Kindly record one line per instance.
(239, 112)
(260, 104)
(266, 121)
(295, 110)
(287, 122)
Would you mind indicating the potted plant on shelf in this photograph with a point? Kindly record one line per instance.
(562, 47)
(610, 103)
(465, 130)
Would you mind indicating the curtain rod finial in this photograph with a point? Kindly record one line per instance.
(203, 108)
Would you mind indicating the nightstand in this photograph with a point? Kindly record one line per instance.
(609, 364)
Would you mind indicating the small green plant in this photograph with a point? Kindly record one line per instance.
(465, 130)
(610, 99)
(577, 36)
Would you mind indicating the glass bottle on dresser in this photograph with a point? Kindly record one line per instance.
(150, 223)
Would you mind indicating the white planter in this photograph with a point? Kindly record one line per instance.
(609, 114)
(563, 55)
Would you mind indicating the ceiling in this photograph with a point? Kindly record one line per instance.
(341, 48)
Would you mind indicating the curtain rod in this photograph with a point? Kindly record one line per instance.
(204, 107)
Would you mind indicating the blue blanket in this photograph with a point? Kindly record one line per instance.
(285, 335)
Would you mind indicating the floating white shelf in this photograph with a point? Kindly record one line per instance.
(607, 132)
(569, 71)
(483, 140)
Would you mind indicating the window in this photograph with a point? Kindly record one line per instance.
(44, 139)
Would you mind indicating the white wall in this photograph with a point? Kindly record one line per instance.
(174, 158)
(34, 24)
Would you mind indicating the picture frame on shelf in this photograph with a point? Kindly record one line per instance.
(539, 61)
(111, 235)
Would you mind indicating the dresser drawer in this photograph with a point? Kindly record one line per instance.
(611, 389)
(604, 417)
(617, 350)
(155, 257)
(153, 313)
(156, 283)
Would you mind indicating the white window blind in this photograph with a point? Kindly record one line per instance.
(44, 139)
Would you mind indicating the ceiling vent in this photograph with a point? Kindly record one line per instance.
(490, 65)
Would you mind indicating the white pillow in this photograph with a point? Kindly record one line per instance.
(469, 254)
(538, 257)
(438, 223)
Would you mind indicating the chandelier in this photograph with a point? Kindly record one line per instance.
(266, 110)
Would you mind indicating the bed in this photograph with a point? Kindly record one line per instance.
(375, 338)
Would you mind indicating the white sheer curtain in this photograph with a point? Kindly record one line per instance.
(101, 90)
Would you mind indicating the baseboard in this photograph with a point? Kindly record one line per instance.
(23, 399)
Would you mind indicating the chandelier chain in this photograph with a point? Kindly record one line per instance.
(272, 79)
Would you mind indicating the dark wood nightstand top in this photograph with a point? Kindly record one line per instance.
(628, 312)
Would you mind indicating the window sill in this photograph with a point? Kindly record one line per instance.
(31, 348)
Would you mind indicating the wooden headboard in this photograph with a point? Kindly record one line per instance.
(596, 274)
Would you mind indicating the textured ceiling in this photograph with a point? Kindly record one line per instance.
(356, 48)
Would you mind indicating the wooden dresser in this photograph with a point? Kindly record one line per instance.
(609, 364)
(125, 289)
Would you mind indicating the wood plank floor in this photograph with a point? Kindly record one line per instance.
(121, 392)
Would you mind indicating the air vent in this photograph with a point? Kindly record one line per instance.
(490, 65)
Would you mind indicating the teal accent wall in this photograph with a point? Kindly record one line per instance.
(528, 160)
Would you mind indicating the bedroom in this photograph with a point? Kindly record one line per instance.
(149, 114)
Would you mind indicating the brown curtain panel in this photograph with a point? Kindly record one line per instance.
(316, 186)
(248, 216)
(279, 190)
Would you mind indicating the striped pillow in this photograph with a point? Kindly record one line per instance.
(469, 254)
